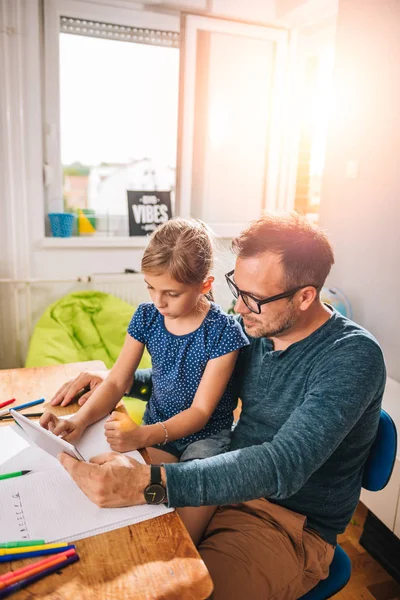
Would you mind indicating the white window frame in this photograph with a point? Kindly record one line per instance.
(52, 168)
(274, 196)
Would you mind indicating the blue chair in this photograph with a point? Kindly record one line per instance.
(377, 472)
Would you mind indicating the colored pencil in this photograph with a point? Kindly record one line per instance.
(28, 415)
(33, 548)
(15, 474)
(25, 582)
(22, 554)
(21, 406)
(14, 576)
(7, 402)
(44, 561)
(22, 543)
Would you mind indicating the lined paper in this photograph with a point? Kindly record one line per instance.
(47, 504)
(50, 506)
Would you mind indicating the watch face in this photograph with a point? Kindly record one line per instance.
(154, 493)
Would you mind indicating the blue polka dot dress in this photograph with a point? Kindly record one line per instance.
(179, 362)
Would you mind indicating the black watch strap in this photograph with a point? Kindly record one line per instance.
(155, 474)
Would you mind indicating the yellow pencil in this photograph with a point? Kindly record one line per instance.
(7, 551)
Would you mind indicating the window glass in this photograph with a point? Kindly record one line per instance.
(119, 109)
(315, 113)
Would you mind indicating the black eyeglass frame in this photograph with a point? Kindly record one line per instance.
(232, 286)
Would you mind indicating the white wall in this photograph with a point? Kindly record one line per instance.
(305, 13)
(262, 11)
(362, 215)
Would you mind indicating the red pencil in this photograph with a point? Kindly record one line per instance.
(10, 589)
(41, 563)
(7, 402)
(57, 559)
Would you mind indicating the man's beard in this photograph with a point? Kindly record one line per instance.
(275, 328)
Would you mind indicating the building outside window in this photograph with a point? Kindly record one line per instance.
(118, 119)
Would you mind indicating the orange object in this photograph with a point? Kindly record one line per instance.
(14, 576)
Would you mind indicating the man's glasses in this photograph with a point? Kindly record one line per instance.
(252, 303)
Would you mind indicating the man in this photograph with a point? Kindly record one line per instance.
(311, 384)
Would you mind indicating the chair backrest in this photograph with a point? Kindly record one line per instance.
(377, 472)
(382, 456)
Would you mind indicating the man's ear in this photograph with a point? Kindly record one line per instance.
(308, 295)
(207, 285)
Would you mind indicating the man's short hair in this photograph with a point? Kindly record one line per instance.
(304, 249)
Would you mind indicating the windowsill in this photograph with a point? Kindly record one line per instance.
(95, 242)
(222, 230)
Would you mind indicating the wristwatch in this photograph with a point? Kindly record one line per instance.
(155, 492)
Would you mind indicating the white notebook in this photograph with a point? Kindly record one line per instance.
(47, 504)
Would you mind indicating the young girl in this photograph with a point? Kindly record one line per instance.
(193, 347)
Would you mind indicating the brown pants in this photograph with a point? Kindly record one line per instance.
(261, 551)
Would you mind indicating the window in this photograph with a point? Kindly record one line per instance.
(232, 117)
(118, 110)
(314, 116)
(111, 103)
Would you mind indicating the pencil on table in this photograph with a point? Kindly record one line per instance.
(21, 543)
(27, 415)
(35, 548)
(14, 576)
(4, 593)
(7, 402)
(5, 411)
(23, 554)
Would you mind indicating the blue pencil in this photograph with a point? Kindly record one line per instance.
(6, 411)
(19, 556)
(33, 403)
(21, 584)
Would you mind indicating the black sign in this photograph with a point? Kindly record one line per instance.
(147, 210)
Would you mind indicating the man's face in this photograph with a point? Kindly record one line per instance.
(262, 276)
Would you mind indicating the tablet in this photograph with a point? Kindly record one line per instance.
(46, 440)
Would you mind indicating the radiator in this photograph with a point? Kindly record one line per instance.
(23, 301)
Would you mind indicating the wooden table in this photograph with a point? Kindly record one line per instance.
(155, 559)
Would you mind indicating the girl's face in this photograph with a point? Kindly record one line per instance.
(173, 299)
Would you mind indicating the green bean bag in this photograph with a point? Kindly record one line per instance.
(84, 326)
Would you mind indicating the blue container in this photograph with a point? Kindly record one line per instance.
(62, 224)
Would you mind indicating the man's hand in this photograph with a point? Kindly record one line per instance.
(68, 429)
(122, 433)
(70, 389)
(110, 480)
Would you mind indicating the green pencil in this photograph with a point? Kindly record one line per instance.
(22, 543)
(15, 474)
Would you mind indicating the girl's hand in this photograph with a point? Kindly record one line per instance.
(122, 433)
(68, 429)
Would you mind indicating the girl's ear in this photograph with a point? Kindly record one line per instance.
(207, 285)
